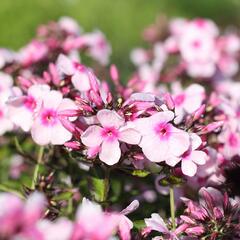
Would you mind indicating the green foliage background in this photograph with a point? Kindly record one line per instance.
(121, 20)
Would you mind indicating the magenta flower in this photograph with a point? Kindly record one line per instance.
(161, 141)
(107, 137)
(47, 127)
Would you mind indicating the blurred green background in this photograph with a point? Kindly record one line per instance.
(121, 20)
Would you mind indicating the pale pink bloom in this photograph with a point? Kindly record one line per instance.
(26, 107)
(98, 47)
(60, 229)
(177, 26)
(187, 101)
(80, 75)
(15, 215)
(156, 223)
(139, 56)
(113, 129)
(6, 56)
(230, 138)
(5, 122)
(193, 157)
(69, 25)
(17, 166)
(47, 127)
(32, 53)
(125, 224)
(93, 223)
(161, 141)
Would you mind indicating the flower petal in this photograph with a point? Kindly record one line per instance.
(198, 157)
(52, 99)
(109, 118)
(188, 167)
(92, 136)
(110, 152)
(60, 134)
(130, 136)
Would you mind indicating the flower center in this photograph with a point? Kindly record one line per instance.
(30, 103)
(233, 141)
(196, 43)
(110, 133)
(163, 130)
(1, 114)
(49, 117)
(179, 99)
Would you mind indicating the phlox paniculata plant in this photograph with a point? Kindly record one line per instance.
(86, 145)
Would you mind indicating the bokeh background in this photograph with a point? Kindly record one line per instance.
(121, 20)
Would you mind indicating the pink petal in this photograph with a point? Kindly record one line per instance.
(196, 141)
(110, 152)
(40, 134)
(162, 117)
(80, 81)
(179, 142)
(131, 207)
(92, 136)
(156, 223)
(188, 167)
(64, 65)
(144, 126)
(59, 134)
(67, 104)
(172, 161)
(38, 90)
(52, 99)
(129, 135)
(198, 157)
(154, 149)
(109, 118)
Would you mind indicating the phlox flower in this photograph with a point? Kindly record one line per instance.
(23, 108)
(79, 74)
(156, 223)
(107, 138)
(193, 157)
(47, 127)
(93, 223)
(161, 141)
(188, 100)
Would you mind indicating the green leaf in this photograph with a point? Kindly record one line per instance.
(140, 173)
(139, 224)
(97, 188)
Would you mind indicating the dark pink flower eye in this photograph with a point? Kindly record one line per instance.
(30, 103)
(49, 117)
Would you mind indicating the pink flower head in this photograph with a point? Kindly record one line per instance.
(188, 100)
(193, 157)
(60, 229)
(33, 52)
(98, 47)
(69, 25)
(79, 74)
(161, 141)
(47, 127)
(113, 129)
(93, 223)
(25, 107)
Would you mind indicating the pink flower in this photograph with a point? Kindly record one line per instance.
(98, 47)
(107, 137)
(193, 157)
(161, 141)
(80, 75)
(60, 229)
(69, 25)
(47, 127)
(93, 223)
(25, 107)
(188, 100)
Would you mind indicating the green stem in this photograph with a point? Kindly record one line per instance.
(106, 184)
(36, 170)
(172, 207)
